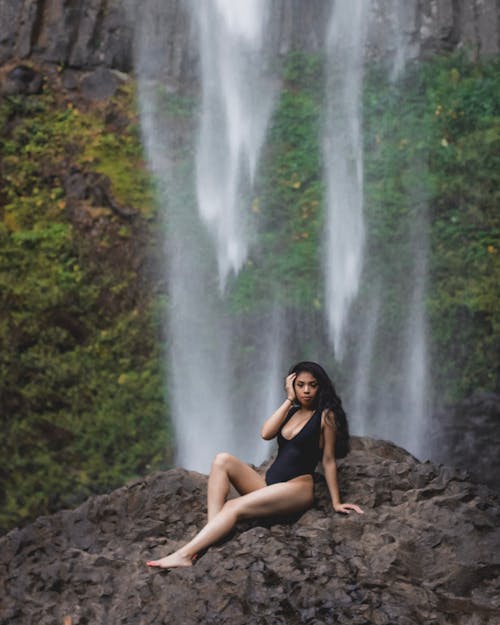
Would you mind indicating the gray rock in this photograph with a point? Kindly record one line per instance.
(105, 33)
(425, 551)
(99, 84)
(467, 435)
(21, 80)
(94, 190)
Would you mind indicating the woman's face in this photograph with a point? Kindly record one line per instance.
(306, 388)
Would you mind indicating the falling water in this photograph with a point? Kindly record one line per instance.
(391, 392)
(209, 234)
(389, 389)
(343, 153)
(387, 395)
(210, 406)
(363, 368)
(402, 23)
(237, 101)
(416, 384)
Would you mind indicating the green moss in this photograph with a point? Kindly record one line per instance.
(441, 127)
(432, 148)
(81, 384)
(288, 201)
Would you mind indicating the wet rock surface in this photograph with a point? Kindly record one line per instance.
(96, 33)
(467, 435)
(425, 551)
(74, 34)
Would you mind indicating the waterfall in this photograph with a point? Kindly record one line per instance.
(389, 390)
(403, 17)
(225, 372)
(363, 370)
(237, 100)
(416, 388)
(208, 236)
(387, 396)
(343, 155)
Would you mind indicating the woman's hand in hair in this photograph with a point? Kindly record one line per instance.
(290, 390)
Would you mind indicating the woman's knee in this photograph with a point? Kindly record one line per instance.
(233, 509)
(222, 460)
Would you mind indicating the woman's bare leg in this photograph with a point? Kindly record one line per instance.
(284, 498)
(226, 470)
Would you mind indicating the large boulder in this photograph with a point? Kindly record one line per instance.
(427, 550)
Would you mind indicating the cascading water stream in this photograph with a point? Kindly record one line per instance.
(237, 100)
(343, 155)
(388, 395)
(209, 234)
(416, 383)
(209, 405)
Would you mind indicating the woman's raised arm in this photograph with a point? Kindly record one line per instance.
(272, 425)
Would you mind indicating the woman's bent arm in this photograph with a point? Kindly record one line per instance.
(329, 463)
(272, 425)
(330, 468)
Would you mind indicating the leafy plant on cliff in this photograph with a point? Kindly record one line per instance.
(288, 199)
(431, 163)
(81, 389)
(441, 123)
(464, 99)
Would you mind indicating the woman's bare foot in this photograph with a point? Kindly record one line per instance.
(172, 561)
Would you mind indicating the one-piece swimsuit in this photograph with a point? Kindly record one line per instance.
(298, 455)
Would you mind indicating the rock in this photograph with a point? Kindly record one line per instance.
(99, 85)
(425, 551)
(104, 33)
(82, 35)
(89, 197)
(467, 435)
(22, 79)
(70, 79)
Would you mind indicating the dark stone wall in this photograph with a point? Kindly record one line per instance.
(85, 34)
(75, 33)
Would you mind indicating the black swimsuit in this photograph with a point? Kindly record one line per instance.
(299, 455)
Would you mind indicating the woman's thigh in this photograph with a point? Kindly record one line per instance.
(283, 498)
(241, 475)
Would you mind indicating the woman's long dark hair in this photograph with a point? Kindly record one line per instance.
(327, 399)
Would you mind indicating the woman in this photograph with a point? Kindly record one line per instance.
(311, 426)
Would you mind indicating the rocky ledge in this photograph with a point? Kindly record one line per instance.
(427, 550)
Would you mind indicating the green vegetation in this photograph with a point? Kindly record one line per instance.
(81, 391)
(288, 200)
(465, 297)
(431, 164)
(432, 157)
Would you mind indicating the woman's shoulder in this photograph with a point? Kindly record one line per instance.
(328, 418)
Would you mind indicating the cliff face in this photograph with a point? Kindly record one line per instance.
(425, 551)
(95, 33)
(76, 34)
